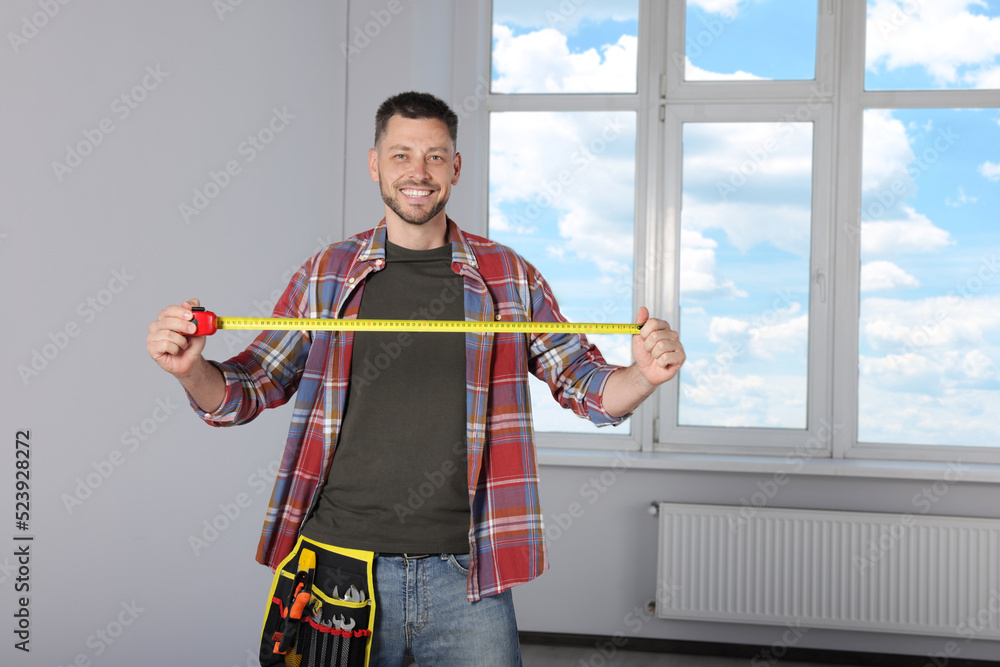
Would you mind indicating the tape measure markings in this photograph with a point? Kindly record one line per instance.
(443, 326)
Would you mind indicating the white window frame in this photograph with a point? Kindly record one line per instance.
(834, 102)
(640, 434)
(854, 101)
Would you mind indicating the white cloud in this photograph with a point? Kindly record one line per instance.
(760, 171)
(730, 400)
(940, 36)
(882, 275)
(961, 199)
(964, 418)
(694, 73)
(500, 223)
(914, 233)
(748, 224)
(936, 375)
(698, 272)
(988, 77)
(886, 151)
(577, 168)
(941, 324)
(728, 8)
(565, 16)
(517, 61)
(783, 335)
(990, 170)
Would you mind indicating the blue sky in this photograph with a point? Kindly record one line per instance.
(930, 184)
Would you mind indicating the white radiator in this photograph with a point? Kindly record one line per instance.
(895, 573)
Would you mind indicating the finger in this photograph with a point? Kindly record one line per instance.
(173, 324)
(672, 357)
(178, 311)
(653, 325)
(641, 319)
(665, 344)
(167, 342)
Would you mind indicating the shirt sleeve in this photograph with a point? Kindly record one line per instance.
(267, 373)
(573, 368)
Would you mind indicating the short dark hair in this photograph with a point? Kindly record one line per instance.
(415, 105)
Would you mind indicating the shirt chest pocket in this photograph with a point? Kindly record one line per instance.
(511, 311)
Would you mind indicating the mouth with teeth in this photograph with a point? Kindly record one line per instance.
(416, 193)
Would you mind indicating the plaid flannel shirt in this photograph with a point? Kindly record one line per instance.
(506, 533)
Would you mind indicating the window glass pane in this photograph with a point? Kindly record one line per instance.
(562, 193)
(744, 274)
(750, 39)
(932, 44)
(929, 338)
(561, 46)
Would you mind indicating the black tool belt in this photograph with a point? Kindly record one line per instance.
(321, 610)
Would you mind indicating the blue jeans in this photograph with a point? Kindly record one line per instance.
(422, 610)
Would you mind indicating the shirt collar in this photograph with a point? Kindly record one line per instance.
(461, 250)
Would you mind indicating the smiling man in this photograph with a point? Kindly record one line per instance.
(416, 449)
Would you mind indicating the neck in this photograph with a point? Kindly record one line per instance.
(432, 234)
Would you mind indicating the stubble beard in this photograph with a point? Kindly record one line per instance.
(394, 204)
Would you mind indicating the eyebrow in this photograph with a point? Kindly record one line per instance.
(400, 147)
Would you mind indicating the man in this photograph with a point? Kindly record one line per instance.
(434, 469)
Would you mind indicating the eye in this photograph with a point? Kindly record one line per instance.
(399, 156)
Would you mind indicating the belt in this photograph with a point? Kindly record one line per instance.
(408, 556)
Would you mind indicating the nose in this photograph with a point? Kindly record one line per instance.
(419, 170)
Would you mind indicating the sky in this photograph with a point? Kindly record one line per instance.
(562, 193)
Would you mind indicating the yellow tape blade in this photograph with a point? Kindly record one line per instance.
(306, 324)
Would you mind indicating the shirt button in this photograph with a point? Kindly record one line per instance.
(498, 317)
(350, 281)
(378, 263)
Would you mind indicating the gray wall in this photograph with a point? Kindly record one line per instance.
(124, 481)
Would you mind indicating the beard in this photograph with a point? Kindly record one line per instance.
(417, 218)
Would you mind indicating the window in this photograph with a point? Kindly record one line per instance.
(928, 332)
(807, 190)
(563, 163)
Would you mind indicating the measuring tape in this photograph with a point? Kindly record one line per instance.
(208, 324)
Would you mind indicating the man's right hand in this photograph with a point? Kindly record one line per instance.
(169, 342)
(172, 346)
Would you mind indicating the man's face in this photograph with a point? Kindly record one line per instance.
(415, 166)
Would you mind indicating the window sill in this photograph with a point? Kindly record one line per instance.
(929, 470)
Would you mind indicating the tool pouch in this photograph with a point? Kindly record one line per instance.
(332, 627)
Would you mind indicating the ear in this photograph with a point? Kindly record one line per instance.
(458, 168)
(373, 164)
